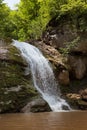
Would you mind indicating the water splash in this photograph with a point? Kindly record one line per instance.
(43, 76)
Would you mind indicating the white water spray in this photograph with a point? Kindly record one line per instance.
(43, 76)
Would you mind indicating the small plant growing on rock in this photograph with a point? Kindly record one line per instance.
(69, 46)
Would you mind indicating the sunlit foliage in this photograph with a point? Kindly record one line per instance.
(30, 18)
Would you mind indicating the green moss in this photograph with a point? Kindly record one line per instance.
(12, 76)
(18, 99)
(14, 55)
(16, 89)
(13, 101)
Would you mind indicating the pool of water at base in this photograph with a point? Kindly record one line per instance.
(76, 120)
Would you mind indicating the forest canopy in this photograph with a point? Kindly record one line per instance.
(30, 18)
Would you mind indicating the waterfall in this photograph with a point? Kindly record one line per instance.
(43, 76)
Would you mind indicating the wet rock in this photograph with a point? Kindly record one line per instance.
(82, 105)
(50, 53)
(37, 105)
(65, 107)
(84, 94)
(55, 58)
(73, 99)
(76, 101)
(74, 96)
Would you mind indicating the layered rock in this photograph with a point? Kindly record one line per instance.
(56, 60)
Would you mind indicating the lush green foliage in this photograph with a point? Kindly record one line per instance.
(76, 10)
(32, 16)
(4, 12)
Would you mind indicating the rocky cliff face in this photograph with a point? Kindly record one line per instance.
(72, 72)
(60, 35)
(16, 86)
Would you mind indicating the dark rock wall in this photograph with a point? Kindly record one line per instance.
(72, 72)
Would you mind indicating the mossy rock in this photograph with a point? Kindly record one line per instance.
(14, 55)
(16, 88)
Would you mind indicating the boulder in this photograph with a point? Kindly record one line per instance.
(74, 96)
(82, 105)
(37, 105)
(76, 101)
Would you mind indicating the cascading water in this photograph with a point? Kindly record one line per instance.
(43, 76)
